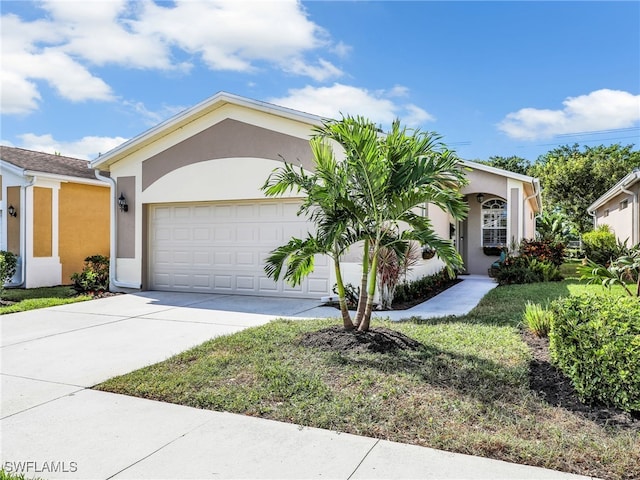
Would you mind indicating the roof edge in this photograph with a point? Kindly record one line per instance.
(626, 181)
(194, 112)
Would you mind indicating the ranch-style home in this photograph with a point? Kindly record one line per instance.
(54, 213)
(189, 213)
(619, 208)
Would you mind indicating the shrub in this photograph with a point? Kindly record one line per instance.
(543, 250)
(8, 265)
(94, 276)
(600, 245)
(595, 341)
(537, 319)
(352, 294)
(414, 290)
(519, 270)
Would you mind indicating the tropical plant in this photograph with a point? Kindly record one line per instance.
(622, 271)
(8, 265)
(554, 226)
(392, 266)
(370, 196)
(325, 204)
(94, 276)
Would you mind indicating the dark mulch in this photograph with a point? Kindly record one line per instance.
(432, 293)
(378, 340)
(411, 303)
(552, 385)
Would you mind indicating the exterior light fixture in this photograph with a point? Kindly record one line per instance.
(122, 203)
(480, 197)
(12, 211)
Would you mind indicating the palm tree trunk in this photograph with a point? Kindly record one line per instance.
(366, 320)
(344, 310)
(362, 300)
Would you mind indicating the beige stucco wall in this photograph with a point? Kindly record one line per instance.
(620, 220)
(200, 179)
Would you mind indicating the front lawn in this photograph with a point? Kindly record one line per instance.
(21, 299)
(465, 389)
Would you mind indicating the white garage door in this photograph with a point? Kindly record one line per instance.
(220, 247)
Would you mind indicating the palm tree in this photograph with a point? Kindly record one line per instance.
(390, 175)
(327, 205)
(370, 196)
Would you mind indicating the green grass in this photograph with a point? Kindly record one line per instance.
(465, 391)
(33, 298)
(15, 476)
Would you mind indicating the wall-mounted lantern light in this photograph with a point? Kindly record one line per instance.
(12, 211)
(480, 197)
(122, 203)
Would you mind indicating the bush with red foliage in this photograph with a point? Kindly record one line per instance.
(544, 251)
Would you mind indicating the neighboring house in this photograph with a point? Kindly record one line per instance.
(197, 220)
(54, 213)
(619, 209)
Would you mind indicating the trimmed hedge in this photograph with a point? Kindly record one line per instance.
(595, 341)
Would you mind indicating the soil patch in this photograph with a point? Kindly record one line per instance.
(378, 340)
(552, 385)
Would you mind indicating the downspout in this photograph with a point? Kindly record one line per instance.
(634, 217)
(23, 234)
(113, 280)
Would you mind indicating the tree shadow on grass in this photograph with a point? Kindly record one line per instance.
(390, 351)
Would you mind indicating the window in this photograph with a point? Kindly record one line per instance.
(606, 212)
(494, 223)
(624, 204)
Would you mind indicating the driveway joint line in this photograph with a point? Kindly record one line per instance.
(42, 380)
(121, 319)
(363, 459)
(43, 403)
(162, 447)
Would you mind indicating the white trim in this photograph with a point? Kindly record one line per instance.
(65, 178)
(498, 171)
(629, 180)
(11, 168)
(192, 114)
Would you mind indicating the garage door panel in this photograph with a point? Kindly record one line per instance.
(222, 247)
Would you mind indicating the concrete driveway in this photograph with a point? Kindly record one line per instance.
(54, 426)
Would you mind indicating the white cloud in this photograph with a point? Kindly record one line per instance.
(332, 102)
(599, 110)
(233, 35)
(152, 117)
(86, 148)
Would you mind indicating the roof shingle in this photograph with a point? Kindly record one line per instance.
(46, 162)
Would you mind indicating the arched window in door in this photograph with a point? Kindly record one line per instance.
(494, 223)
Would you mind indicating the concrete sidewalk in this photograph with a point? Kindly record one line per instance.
(54, 426)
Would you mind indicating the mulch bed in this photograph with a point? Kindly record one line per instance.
(406, 305)
(378, 340)
(556, 389)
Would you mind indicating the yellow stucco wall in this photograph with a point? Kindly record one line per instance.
(13, 223)
(42, 222)
(83, 225)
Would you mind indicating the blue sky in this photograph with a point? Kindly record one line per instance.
(493, 78)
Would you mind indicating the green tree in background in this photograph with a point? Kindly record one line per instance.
(572, 178)
(513, 164)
